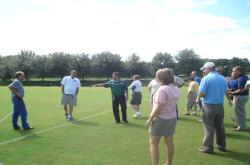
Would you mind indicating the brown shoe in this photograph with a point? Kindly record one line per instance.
(28, 128)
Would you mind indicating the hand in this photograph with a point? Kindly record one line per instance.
(126, 96)
(18, 95)
(197, 101)
(149, 122)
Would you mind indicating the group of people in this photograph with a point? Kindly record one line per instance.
(207, 92)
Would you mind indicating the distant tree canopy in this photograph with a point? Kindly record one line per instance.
(188, 61)
(59, 64)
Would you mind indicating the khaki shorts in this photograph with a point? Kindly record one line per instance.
(70, 100)
(163, 127)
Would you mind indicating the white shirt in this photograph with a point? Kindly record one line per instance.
(70, 85)
(247, 84)
(135, 86)
(154, 86)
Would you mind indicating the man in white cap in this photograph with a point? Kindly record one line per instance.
(212, 88)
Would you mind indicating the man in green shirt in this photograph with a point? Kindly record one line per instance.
(119, 91)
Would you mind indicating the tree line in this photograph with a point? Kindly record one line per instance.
(102, 64)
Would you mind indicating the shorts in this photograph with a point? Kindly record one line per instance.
(191, 99)
(162, 127)
(70, 100)
(136, 98)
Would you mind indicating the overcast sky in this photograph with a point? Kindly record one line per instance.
(212, 28)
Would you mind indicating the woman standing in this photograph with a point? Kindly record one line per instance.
(135, 101)
(162, 120)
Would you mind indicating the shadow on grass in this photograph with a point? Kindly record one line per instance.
(237, 136)
(142, 118)
(25, 133)
(189, 119)
(136, 125)
(229, 125)
(243, 157)
(84, 122)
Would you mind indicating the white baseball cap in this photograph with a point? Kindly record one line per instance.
(208, 65)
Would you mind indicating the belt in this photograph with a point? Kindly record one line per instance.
(69, 94)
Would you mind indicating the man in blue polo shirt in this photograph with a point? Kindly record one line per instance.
(240, 97)
(212, 88)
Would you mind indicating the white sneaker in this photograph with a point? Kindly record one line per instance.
(135, 115)
(138, 114)
(70, 117)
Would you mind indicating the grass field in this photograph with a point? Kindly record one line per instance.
(94, 138)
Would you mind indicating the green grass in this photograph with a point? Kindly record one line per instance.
(96, 140)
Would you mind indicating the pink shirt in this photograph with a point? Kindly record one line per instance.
(167, 95)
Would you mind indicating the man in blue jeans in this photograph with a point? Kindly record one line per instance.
(19, 108)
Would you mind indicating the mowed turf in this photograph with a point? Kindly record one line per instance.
(94, 139)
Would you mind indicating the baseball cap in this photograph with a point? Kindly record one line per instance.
(208, 65)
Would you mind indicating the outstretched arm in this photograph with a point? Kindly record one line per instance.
(98, 85)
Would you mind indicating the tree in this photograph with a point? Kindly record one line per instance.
(106, 63)
(59, 64)
(81, 63)
(244, 62)
(41, 66)
(133, 65)
(187, 61)
(24, 61)
(162, 60)
(7, 68)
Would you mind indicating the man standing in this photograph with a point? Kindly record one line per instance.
(240, 97)
(212, 88)
(119, 91)
(70, 87)
(198, 80)
(19, 108)
(195, 77)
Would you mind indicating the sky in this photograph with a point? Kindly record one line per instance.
(212, 28)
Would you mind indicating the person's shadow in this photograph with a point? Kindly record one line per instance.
(83, 122)
(239, 156)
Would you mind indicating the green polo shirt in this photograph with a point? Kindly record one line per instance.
(118, 87)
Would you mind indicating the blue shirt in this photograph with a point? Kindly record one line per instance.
(18, 86)
(241, 82)
(214, 87)
(197, 79)
(232, 85)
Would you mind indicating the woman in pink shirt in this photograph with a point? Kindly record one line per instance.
(163, 117)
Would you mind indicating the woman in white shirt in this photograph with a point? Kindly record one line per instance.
(135, 101)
